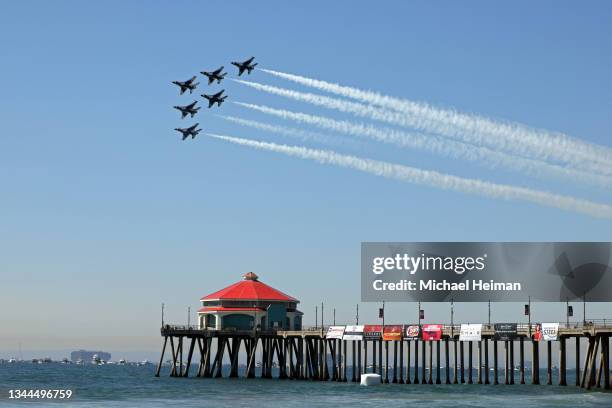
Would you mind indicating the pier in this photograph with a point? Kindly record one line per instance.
(308, 354)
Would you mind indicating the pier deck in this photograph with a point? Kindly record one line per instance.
(305, 355)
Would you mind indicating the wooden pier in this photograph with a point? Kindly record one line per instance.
(309, 355)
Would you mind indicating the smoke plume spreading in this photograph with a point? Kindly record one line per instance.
(430, 178)
(440, 146)
(518, 138)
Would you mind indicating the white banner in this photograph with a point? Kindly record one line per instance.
(353, 333)
(470, 332)
(550, 331)
(335, 332)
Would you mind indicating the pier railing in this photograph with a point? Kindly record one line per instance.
(448, 329)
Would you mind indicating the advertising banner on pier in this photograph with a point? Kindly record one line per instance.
(372, 332)
(353, 333)
(432, 332)
(505, 331)
(470, 332)
(335, 332)
(392, 332)
(412, 332)
(486, 271)
(550, 331)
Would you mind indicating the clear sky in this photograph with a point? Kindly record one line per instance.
(105, 213)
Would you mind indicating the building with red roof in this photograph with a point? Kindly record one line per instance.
(247, 304)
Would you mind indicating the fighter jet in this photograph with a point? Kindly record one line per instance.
(189, 84)
(188, 109)
(214, 75)
(190, 131)
(245, 66)
(216, 98)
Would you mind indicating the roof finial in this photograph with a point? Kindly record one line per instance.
(250, 276)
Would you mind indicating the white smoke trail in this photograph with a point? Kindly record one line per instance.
(300, 134)
(447, 148)
(431, 178)
(472, 128)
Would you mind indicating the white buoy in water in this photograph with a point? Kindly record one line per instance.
(370, 379)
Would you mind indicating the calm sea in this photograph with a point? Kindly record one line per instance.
(135, 386)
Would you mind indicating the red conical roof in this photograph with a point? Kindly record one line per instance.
(250, 288)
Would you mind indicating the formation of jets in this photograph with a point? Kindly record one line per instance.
(217, 98)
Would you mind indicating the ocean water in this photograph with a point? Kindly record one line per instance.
(136, 386)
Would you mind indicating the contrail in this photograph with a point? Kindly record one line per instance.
(300, 134)
(430, 178)
(472, 128)
(448, 148)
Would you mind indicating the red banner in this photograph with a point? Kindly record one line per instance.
(372, 332)
(432, 332)
(392, 333)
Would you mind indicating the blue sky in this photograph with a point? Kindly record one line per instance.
(105, 213)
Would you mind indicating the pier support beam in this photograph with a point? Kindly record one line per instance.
(438, 362)
(455, 358)
(462, 362)
(606, 362)
(470, 362)
(416, 361)
(353, 362)
(374, 356)
(486, 360)
(359, 369)
(447, 360)
(365, 357)
(380, 356)
(345, 359)
(577, 361)
(408, 361)
(161, 358)
(401, 361)
(562, 361)
(495, 367)
(506, 373)
(535, 362)
(424, 362)
(386, 379)
(479, 381)
(394, 362)
(549, 362)
(522, 358)
(189, 356)
(512, 361)
(430, 381)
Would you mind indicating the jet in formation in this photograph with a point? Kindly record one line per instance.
(185, 85)
(216, 98)
(190, 131)
(245, 66)
(213, 76)
(188, 109)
